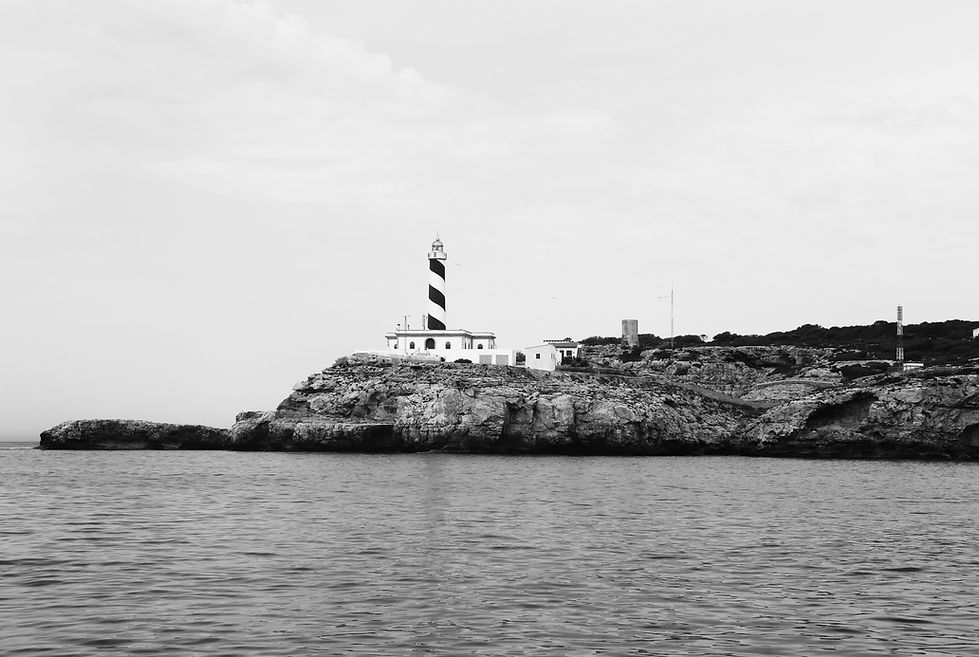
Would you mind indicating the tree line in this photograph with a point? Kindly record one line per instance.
(933, 343)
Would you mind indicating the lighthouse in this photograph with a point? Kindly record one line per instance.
(436, 286)
(434, 341)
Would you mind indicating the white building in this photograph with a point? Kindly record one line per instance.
(566, 348)
(541, 357)
(450, 345)
(413, 341)
(495, 357)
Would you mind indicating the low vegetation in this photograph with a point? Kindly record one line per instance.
(933, 343)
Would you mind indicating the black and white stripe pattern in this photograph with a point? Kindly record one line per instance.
(436, 287)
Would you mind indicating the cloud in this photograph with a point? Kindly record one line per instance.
(235, 97)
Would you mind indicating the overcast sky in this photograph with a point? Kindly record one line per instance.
(203, 201)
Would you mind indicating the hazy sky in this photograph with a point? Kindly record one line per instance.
(203, 201)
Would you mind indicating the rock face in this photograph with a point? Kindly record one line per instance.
(371, 405)
(132, 434)
(921, 416)
(748, 372)
(374, 404)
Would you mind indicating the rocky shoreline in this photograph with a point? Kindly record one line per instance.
(785, 405)
(133, 434)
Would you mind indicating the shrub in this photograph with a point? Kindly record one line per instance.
(648, 340)
(598, 341)
(631, 355)
(687, 341)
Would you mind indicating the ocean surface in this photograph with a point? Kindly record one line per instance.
(220, 553)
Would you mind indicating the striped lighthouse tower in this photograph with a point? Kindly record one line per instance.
(436, 287)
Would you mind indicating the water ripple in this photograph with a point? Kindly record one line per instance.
(210, 553)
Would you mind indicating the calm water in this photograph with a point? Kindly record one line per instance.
(215, 553)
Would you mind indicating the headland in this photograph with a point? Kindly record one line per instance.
(758, 401)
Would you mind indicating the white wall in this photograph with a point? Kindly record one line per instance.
(451, 345)
(496, 356)
(455, 342)
(488, 343)
(570, 352)
(541, 357)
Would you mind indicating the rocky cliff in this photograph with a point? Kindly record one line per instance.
(378, 404)
(403, 406)
(373, 404)
(927, 415)
(759, 373)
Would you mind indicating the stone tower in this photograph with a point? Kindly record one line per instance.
(630, 332)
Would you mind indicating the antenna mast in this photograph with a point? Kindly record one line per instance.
(900, 337)
(671, 315)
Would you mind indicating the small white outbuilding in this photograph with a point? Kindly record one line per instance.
(566, 348)
(541, 357)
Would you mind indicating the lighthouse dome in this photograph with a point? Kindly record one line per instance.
(437, 244)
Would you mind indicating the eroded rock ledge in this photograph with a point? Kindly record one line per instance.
(372, 404)
(132, 434)
(921, 416)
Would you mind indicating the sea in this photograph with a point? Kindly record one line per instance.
(223, 553)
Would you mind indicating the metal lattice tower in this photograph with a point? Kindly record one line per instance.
(900, 336)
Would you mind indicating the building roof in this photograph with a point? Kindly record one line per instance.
(416, 333)
(566, 342)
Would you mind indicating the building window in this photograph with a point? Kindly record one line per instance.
(479, 346)
(411, 345)
(537, 356)
(448, 345)
(430, 343)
